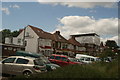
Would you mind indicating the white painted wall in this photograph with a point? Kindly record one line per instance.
(70, 46)
(8, 40)
(45, 42)
(32, 40)
(89, 39)
(15, 41)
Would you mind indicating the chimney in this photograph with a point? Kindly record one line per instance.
(73, 37)
(57, 32)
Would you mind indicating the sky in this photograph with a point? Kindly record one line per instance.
(67, 17)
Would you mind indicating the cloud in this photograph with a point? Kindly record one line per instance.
(83, 4)
(70, 25)
(6, 10)
(14, 6)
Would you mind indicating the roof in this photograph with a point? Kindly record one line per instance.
(73, 41)
(87, 34)
(41, 33)
(55, 36)
(59, 38)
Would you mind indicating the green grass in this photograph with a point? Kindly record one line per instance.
(96, 70)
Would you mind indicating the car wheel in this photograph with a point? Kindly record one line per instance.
(27, 74)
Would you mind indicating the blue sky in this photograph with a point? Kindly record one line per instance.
(46, 16)
(51, 16)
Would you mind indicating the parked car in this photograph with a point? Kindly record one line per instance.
(76, 60)
(49, 66)
(61, 60)
(18, 65)
(86, 58)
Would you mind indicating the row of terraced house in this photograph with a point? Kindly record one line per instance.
(36, 40)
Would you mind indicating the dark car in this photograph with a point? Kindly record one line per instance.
(62, 60)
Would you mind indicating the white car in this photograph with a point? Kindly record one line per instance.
(18, 65)
(86, 58)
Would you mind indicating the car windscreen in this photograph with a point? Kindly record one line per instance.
(73, 59)
(38, 61)
(44, 59)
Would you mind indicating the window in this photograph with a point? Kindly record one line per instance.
(92, 59)
(57, 57)
(9, 60)
(14, 49)
(19, 40)
(39, 62)
(22, 61)
(82, 59)
(52, 57)
(25, 43)
(9, 48)
(64, 59)
(27, 34)
(5, 48)
(87, 59)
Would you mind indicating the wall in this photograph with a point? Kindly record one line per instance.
(89, 39)
(45, 46)
(31, 40)
(8, 40)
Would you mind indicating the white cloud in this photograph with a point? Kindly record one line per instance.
(83, 4)
(6, 10)
(14, 6)
(70, 25)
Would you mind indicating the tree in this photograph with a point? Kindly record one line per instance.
(5, 33)
(111, 44)
(107, 53)
(15, 33)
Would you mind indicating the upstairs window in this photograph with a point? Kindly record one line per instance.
(19, 40)
(27, 34)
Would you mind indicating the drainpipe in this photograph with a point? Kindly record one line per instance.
(24, 36)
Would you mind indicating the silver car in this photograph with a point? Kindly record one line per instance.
(18, 65)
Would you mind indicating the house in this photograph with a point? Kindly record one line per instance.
(76, 46)
(91, 41)
(9, 49)
(33, 39)
(60, 44)
(36, 40)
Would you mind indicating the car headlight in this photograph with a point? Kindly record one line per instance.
(52, 67)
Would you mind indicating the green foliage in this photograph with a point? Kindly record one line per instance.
(111, 44)
(5, 33)
(107, 53)
(15, 33)
(8, 33)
